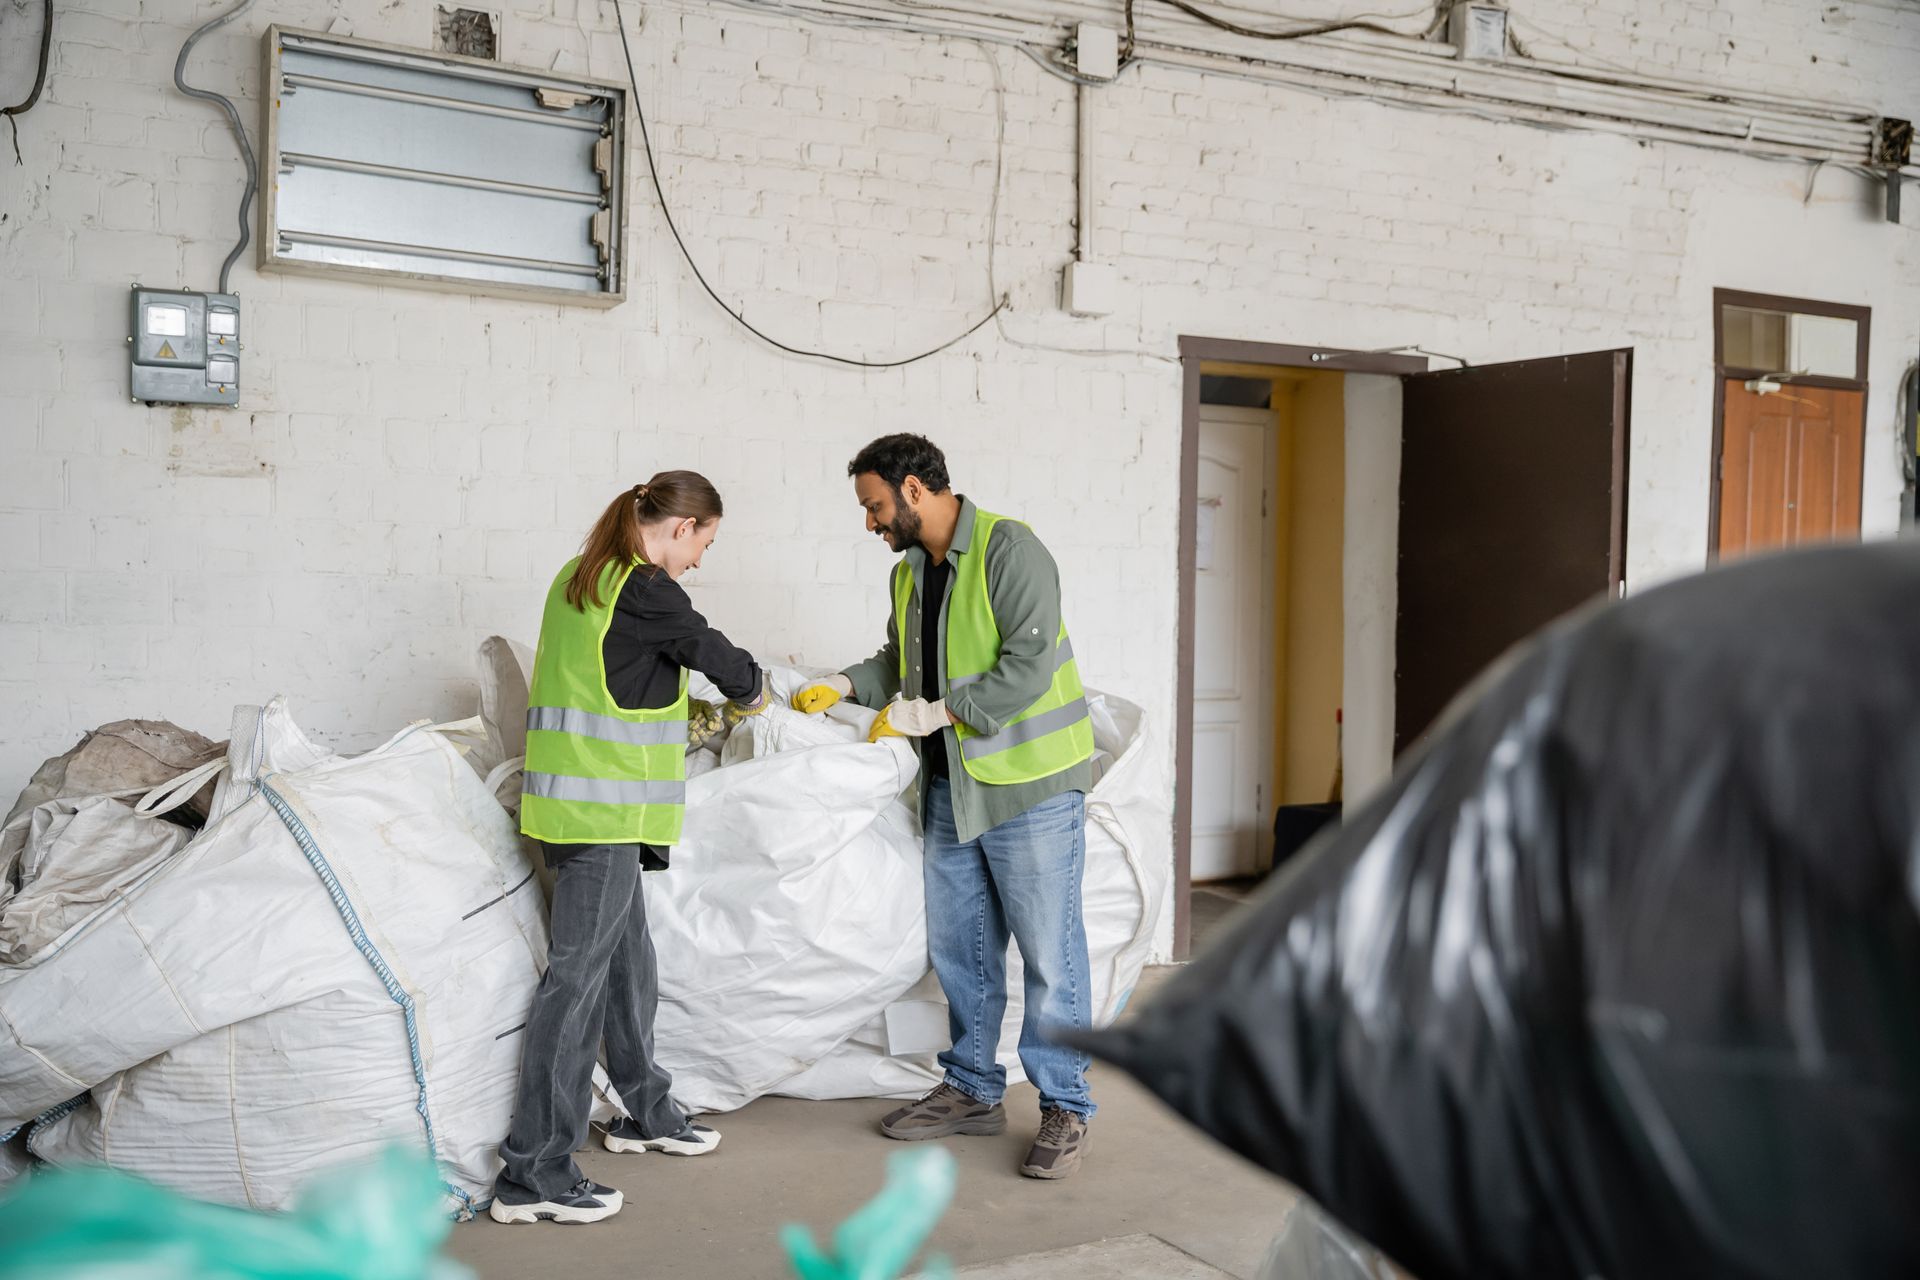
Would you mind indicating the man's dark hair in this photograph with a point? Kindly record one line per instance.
(894, 458)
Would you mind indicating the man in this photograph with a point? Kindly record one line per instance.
(978, 658)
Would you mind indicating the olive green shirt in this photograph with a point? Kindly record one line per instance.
(1023, 586)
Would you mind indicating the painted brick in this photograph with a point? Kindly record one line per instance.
(431, 499)
(65, 541)
(35, 484)
(335, 494)
(416, 549)
(463, 552)
(217, 600)
(117, 598)
(19, 651)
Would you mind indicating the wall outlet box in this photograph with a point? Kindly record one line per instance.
(1096, 51)
(1478, 32)
(184, 347)
(1090, 288)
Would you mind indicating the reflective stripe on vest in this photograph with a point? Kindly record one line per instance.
(1062, 655)
(1052, 734)
(597, 772)
(604, 790)
(584, 724)
(1026, 730)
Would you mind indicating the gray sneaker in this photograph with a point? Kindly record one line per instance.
(945, 1112)
(1057, 1151)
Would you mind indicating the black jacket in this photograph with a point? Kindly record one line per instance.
(655, 632)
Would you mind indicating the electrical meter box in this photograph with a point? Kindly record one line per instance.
(185, 347)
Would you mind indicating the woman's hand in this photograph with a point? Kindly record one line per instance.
(737, 711)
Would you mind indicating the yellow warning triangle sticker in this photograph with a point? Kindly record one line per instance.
(166, 352)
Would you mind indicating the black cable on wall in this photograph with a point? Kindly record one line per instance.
(39, 83)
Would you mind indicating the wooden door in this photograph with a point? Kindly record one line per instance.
(1232, 702)
(1512, 511)
(1791, 463)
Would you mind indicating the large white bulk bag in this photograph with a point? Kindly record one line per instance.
(789, 917)
(1129, 818)
(792, 924)
(342, 960)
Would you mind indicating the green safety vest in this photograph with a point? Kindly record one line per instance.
(1052, 734)
(597, 772)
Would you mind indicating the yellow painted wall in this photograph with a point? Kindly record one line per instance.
(1310, 618)
(1280, 491)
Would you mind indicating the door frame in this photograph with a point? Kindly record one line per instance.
(1194, 352)
(1722, 372)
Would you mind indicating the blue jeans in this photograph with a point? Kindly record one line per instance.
(1021, 879)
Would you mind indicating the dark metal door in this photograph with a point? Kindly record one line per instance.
(1512, 512)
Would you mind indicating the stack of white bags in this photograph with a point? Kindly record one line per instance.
(345, 955)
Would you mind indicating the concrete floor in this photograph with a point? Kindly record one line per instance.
(784, 1160)
(1122, 1258)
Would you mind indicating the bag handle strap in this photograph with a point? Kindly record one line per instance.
(169, 796)
(154, 801)
(504, 770)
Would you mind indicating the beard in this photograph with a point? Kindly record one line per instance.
(904, 530)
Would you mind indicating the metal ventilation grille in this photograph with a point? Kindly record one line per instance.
(442, 170)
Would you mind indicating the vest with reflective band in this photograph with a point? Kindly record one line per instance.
(597, 772)
(1052, 734)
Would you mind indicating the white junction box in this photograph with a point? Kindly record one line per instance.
(185, 347)
(1090, 288)
(1096, 51)
(1478, 31)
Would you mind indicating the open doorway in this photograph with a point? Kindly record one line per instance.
(1269, 622)
(1360, 537)
(1790, 424)
(1270, 503)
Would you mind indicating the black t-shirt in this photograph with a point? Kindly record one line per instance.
(933, 752)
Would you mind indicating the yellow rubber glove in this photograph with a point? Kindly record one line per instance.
(881, 729)
(815, 698)
(910, 718)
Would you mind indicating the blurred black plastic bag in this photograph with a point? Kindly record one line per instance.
(1312, 1246)
(1621, 976)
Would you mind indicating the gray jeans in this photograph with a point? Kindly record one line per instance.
(601, 981)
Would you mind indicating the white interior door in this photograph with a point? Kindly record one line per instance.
(1233, 650)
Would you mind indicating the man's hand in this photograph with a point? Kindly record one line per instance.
(815, 698)
(910, 718)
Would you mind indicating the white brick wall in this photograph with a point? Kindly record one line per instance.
(410, 467)
(1854, 51)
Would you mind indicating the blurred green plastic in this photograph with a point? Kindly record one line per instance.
(881, 1238)
(382, 1222)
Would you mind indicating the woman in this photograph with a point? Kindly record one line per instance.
(605, 794)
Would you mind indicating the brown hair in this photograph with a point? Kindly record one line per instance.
(670, 495)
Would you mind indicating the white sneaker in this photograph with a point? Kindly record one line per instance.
(694, 1140)
(585, 1201)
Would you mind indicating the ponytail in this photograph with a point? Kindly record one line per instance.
(615, 536)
